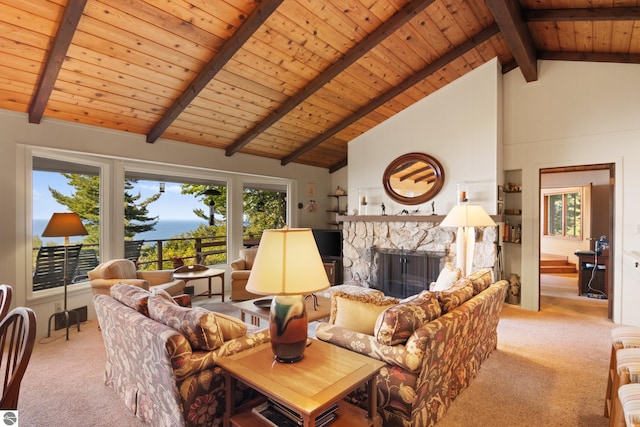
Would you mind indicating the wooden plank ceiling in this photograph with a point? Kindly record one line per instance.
(293, 80)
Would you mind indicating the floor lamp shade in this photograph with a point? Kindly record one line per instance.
(288, 265)
(465, 217)
(65, 225)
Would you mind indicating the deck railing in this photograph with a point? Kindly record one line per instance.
(157, 254)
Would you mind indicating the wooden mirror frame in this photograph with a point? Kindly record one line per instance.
(414, 157)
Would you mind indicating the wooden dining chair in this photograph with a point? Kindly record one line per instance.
(17, 339)
(6, 292)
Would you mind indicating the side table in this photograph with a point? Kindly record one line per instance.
(197, 271)
(325, 376)
(320, 311)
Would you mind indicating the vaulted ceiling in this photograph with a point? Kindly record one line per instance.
(293, 80)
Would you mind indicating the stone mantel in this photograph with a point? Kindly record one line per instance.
(400, 218)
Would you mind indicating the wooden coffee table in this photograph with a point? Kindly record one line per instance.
(322, 309)
(324, 376)
(205, 273)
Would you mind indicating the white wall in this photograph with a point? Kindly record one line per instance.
(18, 133)
(578, 113)
(458, 125)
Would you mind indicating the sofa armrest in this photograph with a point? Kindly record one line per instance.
(398, 355)
(238, 264)
(189, 363)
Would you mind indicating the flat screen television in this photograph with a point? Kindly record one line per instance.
(329, 242)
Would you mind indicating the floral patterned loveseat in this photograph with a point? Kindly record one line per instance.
(161, 358)
(433, 344)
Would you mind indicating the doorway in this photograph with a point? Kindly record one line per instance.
(560, 267)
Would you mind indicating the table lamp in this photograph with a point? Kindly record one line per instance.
(64, 225)
(466, 217)
(288, 265)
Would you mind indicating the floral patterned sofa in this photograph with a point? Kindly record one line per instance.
(433, 343)
(161, 357)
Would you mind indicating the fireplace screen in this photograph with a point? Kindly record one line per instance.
(402, 273)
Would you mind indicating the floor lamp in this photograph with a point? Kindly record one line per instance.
(65, 225)
(466, 217)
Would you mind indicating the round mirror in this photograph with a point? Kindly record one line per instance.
(413, 178)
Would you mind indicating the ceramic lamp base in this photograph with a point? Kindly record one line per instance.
(288, 326)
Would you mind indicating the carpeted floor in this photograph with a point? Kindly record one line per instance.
(549, 370)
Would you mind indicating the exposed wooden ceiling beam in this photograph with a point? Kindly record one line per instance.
(590, 14)
(436, 65)
(509, 18)
(336, 167)
(372, 40)
(257, 17)
(624, 58)
(57, 54)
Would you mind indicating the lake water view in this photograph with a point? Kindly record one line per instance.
(164, 229)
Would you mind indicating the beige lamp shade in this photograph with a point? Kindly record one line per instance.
(65, 225)
(287, 263)
(467, 216)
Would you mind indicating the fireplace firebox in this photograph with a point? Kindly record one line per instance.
(401, 273)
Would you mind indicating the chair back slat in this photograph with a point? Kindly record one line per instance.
(6, 294)
(49, 271)
(17, 339)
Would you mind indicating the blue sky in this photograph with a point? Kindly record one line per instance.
(171, 205)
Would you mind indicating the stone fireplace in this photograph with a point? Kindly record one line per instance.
(363, 235)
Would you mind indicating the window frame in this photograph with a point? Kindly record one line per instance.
(564, 192)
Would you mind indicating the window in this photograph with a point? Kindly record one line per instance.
(265, 207)
(64, 186)
(563, 213)
(172, 221)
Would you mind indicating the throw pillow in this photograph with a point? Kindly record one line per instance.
(481, 280)
(198, 325)
(453, 297)
(358, 312)
(447, 277)
(163, 294)
(131, 296)
(396, 324)
(230, 327)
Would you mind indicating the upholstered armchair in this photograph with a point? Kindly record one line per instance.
(115, 271)
(240, 270)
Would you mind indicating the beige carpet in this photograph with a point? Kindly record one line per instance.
(549, 370)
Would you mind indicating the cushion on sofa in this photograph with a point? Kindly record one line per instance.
(163, 294)
(396, 324)
(358, 312)
(481, 280)
(453, 297)
(198, 325)
(131, 296)
(447, 277)
(230, 327)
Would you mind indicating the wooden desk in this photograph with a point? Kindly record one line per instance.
(325, 375)
(586, 261)
(322, 310)
(198, 273)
